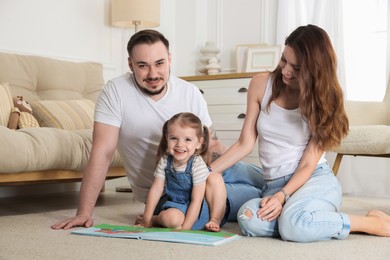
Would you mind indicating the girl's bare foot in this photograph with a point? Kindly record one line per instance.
(213, 225)
(382, 223)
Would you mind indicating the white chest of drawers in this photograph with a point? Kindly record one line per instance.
(226, 96)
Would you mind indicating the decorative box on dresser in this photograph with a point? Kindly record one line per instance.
(226, 96)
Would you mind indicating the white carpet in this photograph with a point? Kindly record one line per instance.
(28, 236)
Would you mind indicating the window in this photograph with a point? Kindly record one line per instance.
(365, 30)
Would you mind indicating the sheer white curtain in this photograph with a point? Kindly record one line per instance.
(293, 13)
(365, 37)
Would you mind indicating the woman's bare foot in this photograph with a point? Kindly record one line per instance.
(213, 225)
(381, 224)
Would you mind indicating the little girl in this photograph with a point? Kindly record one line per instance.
(176, 198)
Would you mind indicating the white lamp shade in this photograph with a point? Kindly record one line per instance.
(135, 13)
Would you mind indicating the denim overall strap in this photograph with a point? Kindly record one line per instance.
(189, 164)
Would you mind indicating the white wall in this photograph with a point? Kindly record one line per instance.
(79, 30)
(71, 30)
(364, 176)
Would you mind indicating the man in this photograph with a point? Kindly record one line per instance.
(129, 115)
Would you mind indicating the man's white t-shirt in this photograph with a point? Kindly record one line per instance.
(140, 120)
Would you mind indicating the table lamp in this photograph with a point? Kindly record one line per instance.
(135, 13)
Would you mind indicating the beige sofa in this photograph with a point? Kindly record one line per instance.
(62, 95)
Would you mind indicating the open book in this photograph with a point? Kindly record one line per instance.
(198, 237)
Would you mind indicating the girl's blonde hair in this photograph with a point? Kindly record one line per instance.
(186, 120)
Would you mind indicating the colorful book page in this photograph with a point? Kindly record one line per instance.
(198, 237)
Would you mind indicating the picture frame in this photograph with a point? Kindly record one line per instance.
(242, 55)
(264, 58)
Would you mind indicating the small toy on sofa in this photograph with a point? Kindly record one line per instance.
(21, 115)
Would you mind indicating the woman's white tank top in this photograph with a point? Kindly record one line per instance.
(282, 137)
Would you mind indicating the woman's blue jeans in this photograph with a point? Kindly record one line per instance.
(311, 213)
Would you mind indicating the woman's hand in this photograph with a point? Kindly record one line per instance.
(271, 207)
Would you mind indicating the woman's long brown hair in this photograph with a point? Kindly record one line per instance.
(321, 98)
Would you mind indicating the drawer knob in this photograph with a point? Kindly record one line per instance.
(242, 90)
(242, 115)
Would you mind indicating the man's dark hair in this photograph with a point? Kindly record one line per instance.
(148, 37)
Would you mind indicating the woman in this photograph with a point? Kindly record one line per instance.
(297, 113)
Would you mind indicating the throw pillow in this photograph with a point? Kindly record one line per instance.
(64, 114)
(6, 104)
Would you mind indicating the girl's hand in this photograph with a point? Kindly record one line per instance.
(271, 207)
(140, 221)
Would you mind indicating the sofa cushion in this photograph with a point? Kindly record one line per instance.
(366, 139)
(6, 104)
(64, 114)
(42, 78)
(36, 149)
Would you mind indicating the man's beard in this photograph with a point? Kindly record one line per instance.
(147, 91)
(150, 92)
